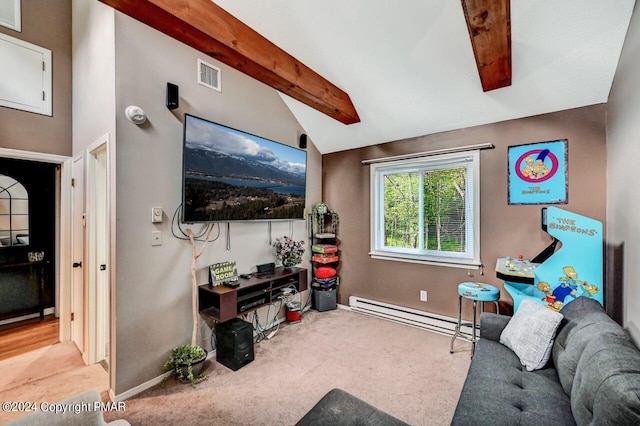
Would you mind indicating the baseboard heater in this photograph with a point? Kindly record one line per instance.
(413, 317)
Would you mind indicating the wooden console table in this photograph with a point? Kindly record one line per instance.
(36, 275)
(223, 303)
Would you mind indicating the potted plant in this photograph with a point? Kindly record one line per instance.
(187, 362)
(288, 251)
(321, 210)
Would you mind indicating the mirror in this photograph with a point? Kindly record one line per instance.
(14, 213)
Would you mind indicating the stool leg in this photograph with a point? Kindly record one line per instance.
(457, 332)
(473, 344)
(497, 307)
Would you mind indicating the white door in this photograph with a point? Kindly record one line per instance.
(78, 250)
(98, 250)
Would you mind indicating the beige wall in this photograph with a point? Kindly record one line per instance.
(505, 230)
(623, 150)
(93, 73)
(47, 24)
(153, 283)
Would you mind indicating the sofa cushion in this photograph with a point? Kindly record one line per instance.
(340, 408)
(584, 319)
(498, 390)
(530, 333)
(606, 389)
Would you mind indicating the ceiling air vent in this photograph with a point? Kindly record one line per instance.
(10, 14)
(209, 76)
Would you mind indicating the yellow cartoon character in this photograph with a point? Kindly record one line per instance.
(541, 169)
(568, 284)
(588, 290)
(544, 287)
(528, 169)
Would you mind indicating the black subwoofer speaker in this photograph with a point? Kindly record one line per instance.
(234, 343)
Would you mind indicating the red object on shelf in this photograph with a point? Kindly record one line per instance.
(324, 248)
(325, 272)
(325, 259)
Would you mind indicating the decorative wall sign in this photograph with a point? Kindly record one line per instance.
(538, 173)
(223, 272)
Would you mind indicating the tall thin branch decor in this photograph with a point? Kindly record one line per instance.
(194, 283)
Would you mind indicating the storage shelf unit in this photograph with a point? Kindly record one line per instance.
(223, 303)
(325, 252)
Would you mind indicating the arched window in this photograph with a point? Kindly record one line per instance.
(14, 213)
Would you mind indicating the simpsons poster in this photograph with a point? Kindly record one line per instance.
(538, 173)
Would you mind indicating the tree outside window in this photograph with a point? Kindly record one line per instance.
(425, 209)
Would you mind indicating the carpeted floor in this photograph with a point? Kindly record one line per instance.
(48, 374)
(405, 371)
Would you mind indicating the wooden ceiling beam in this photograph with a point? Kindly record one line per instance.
(489, 25)
(207, 27)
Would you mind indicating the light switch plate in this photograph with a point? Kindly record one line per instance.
(156, 215)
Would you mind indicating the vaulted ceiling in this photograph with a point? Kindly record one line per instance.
(408, 67)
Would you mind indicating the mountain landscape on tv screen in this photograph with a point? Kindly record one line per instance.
(221, 187)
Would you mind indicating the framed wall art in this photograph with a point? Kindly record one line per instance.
(538, 173)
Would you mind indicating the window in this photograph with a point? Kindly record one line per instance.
(14, 213)
(426, 209)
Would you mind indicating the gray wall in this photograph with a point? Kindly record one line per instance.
(623, 150)
(47, 24)
(505, 230)
(153, 283)
(93, 73)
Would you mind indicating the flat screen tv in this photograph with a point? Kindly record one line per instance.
(230, 175)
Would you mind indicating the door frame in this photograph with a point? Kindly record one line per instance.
(62, 234)
(78, 278)
(91, 246)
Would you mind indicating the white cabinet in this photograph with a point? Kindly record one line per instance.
(25, 76)
(10, 15)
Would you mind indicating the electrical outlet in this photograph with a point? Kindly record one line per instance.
(156, 238)
(423, 295)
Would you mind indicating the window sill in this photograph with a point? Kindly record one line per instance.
(450, 263)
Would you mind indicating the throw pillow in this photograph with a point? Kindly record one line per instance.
(530, 333)
(325, 272)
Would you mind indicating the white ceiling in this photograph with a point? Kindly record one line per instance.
(409, 69)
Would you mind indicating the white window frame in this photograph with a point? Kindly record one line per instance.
(469, 259)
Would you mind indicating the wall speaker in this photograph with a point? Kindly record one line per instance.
(173, 98)
(303, 141)
(234, 343)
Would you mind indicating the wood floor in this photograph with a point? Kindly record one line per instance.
(28, 336)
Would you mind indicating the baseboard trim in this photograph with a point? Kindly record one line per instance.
(412, 317)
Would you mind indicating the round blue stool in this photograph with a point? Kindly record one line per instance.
(477, 292)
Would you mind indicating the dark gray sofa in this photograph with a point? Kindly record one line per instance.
(592, 378)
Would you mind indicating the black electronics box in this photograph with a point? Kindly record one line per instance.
(234, 343)
(266, 268)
